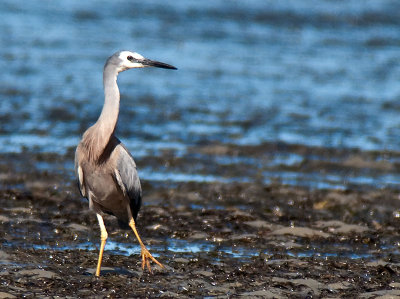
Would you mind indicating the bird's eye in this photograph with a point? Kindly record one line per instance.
(130, 58)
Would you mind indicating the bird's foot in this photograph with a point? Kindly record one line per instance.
(146, 256)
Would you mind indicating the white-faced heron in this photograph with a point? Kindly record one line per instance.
(105, 169)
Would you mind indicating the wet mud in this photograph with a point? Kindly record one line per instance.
(215, 239)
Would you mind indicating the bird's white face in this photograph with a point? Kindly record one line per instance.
(130, 60)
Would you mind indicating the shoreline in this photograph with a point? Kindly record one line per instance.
(215, 239)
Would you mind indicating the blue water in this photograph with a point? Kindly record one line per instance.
(315, 73)
(193, 248)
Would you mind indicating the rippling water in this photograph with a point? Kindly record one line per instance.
(314, 73)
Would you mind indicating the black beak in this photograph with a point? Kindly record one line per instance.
(148, 62)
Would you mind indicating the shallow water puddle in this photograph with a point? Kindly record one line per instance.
(238, 252)
(353, 256)
(172, 246)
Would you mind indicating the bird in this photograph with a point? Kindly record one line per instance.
(106, 172)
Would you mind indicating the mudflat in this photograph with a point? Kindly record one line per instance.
(214, 239)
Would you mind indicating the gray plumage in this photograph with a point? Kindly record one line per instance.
(106, 171)
(110, 182)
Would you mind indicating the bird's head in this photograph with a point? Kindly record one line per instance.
(125, 60)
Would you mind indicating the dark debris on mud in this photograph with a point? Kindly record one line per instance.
(253, 240)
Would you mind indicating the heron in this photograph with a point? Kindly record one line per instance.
(106, 172)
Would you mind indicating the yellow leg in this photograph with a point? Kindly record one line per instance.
(144, 252)
(103, 238)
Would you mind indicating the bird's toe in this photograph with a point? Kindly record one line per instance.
(146, 257)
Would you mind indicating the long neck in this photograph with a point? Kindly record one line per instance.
(109, 115)
(97, 137)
